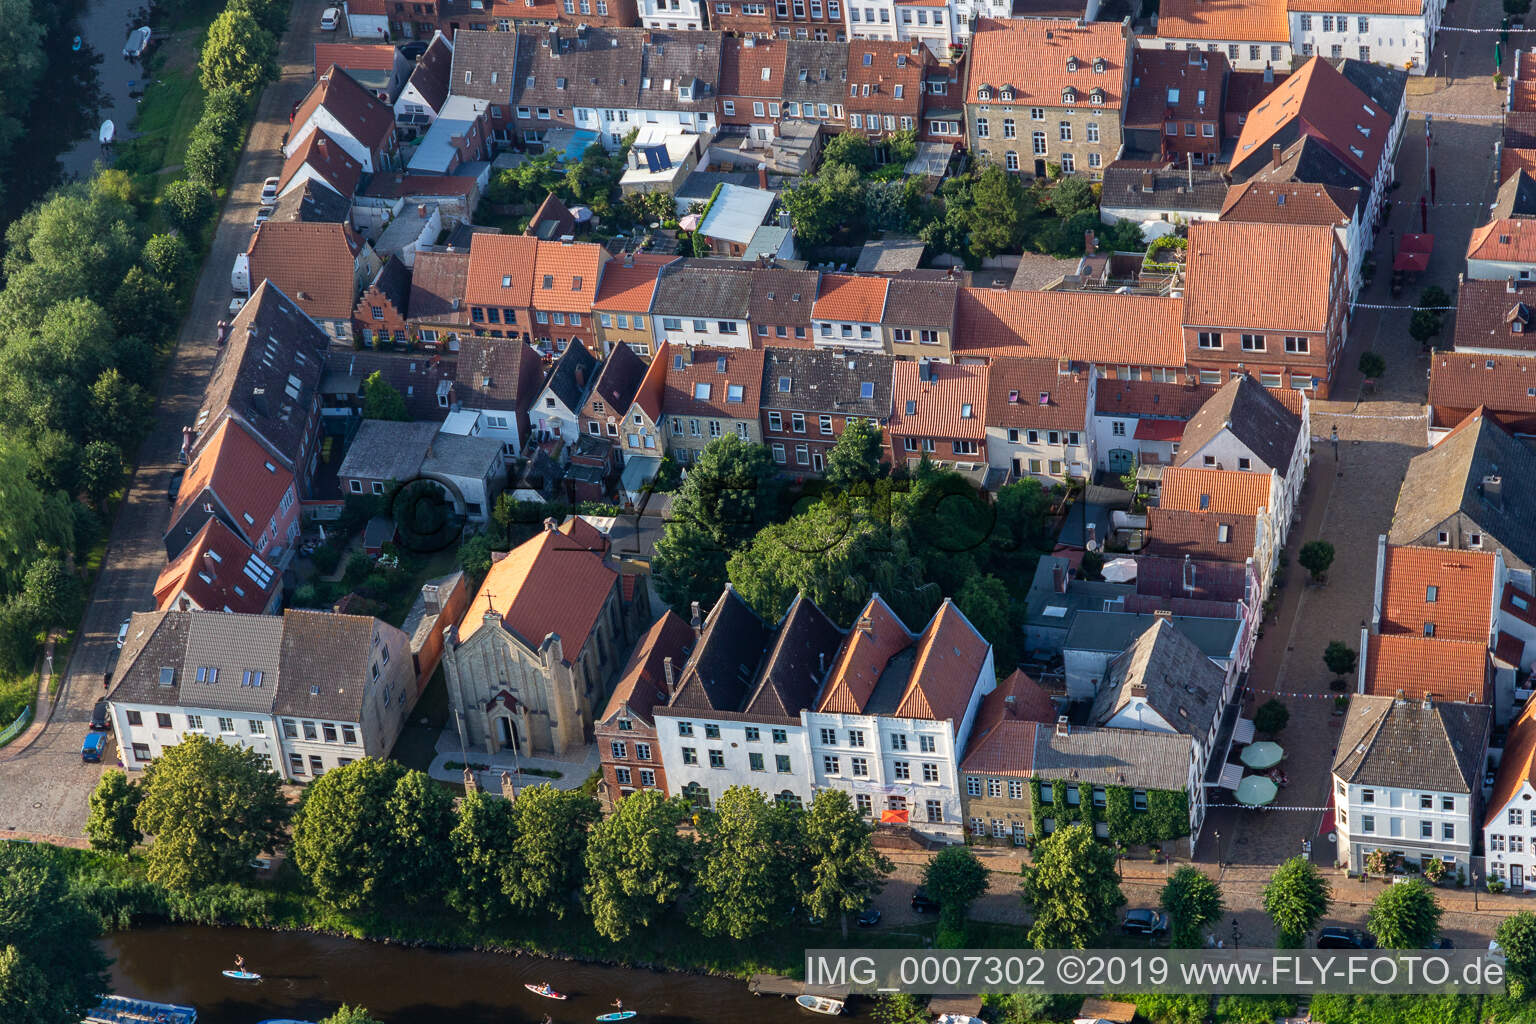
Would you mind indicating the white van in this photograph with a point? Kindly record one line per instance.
(240, 276)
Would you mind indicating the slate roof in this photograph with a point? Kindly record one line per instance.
(1310, 160)
(387, 450)
(1254, 417)
(328, 653)
(1002, 739)
(1496, 315)
(1089, 327)
(1033, 393)
(1385, 85)
(938, 406)
(599, 68)
(360, 112)
(1167, 670)
(801, 653)
(1516, 197)
(1459, 383)
(618, 380)
(551, 583)
(219, 571)
(482, 66)
(703, 288)
(312, 202)
(819, 380)
(184, 643)
(1416, 666)
(432, 71)
(1385, 741)
(1125, 187)
(1449, 478)
(642, 684)
(1139, 758)
(1221, 20)
(491, 372)
(572, 375)
(314, 263)
(417, 376)
(676, 60)
(913, 302)
(1177, 577)
(1031, 55)
(437, 286)
(267, 374)
(706, 382)
(719, 673)
(815, 71)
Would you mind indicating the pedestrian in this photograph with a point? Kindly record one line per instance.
(1333, 436)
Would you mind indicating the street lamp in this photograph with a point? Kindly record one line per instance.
(1217, 833)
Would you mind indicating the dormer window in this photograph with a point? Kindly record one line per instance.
(1096, 96)
(1006, 94)
(1100, 65)
(1071, 63)
(984, 93)
(1069, 95)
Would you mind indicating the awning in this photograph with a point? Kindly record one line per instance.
(1242, 732)
(1413, 252)
(1231, 776)
(1159, 430)
(893, 817)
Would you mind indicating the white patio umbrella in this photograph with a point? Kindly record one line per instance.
(1120, 570)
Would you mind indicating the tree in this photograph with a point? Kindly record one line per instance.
(54, 595)
(1271, 717)
(899, 1008)
(1339, 657)
(50, 967)
(168, 257)
(1316, 556)
(1122, 236)
(849, 148)
(856, 457)
(188, 204)
(845, 871)
(1372, 365)
(549, 846)
(28, 517)
(1517, 940)
(101, 470)
(119, 410)
(211, 807)
(351, 1015)
(1405, 916)
(481, 842)
(1192, 901)
(1071, 196)
(955, 879)
(824, 203)
(985, 601)
(1072, 890)
(748, 853)
(362, 830)
(381, 401)
(995, 222)
(238, 53)
(114, 802)
(637, 864)
(207, 159)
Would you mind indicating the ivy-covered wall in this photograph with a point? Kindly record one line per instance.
(1166, 816)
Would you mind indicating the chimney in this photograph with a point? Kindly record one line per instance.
(821, 663)
(1090, 244)
(1428, 702)
(1011, 700)
(671, 674)
(1274, 155)
(1063, 727)
(696, 620)
(1059, 578)
(550, 526)
(421, 210)
(1510, 286)
(629, 259)
(762, 177)
(866, 625)
(1493, 490)
(320, 144)
(429, 596)
(1139, 690)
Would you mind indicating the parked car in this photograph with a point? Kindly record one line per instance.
(330, 18)
(1344, 938)
(122, 632)
(1143, 922)
(868, 917)
(90, 750)
(262, 216)
(269, 191)
(173, 490)
(99, 715)
(922, 903)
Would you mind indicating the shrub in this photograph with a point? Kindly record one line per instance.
(208, 159)
(188, 204)
(1372, 365)
(326, 558)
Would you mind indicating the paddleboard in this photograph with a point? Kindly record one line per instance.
(242, 975)
(75, 45)
(621, 1015)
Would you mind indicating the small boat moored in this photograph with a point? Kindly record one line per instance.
(122, 1010)
(286, 1020)
(820, 1004)
(107, 131)
(138, 42)
(75, 46)
(543, 989)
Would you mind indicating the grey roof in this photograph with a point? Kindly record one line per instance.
(916, 302)
(1311, 161)
(737, 213)
(619, 379)
(700, 185)
(461, 455)
(889, 254)
(590, 67)
(1125, 187)
(1255, 417)
(681, 71)
(387, 450)
(572, 375)
(824, 381)
(417, 376)
(1450, 478)
(312, 202)
(326, 661)
(783, 297)
(268, 372)
(803, 652)
(724, 661)
(1385, 85)
(483, 65)
(1387, 742)
(1516, 197)
(766, 241)
(703, 288)
(174, 646)
(434, 67)
(815, 71)
(1081, 595)
(1164, 668)
(1141, 759)
(1115, 631)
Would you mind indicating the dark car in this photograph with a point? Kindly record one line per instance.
(413, 50)
(922, 903)
(868, 917)
(99, 715)
(1344, 938)
(1143, 922)
(1442, 943)
(173, 488)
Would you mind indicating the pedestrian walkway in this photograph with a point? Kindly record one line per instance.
(573, 769)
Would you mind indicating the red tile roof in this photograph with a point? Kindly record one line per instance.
(1418, 666)
(1402, 8)
(1089, 327)
(1159, 75)
(1290, 202)
(742, 63)
(1222, 491)
(852, 297)
(238, 470)
(1512, 160)
(1263, 21)
(950, 656)
(1274, 277)
(549, 584)
(876, 638)
(1159, 430)
(327, 159)
(1149, 398)
(500, 270)
(1031, 55)
(653, 386)
(1002, 739)
(628, 284)
(212, 572)
(1035, 393)
(1511, 240)
(350, 56)
(643, 683)
(1462, 581)
(1517, 766)
(357, 110)
(703, 385)
(1175, 533)
(1459, 383)
(565, 275)
(314, 262)
(1327, 106)
(937, 408)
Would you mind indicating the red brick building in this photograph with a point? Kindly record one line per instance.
(811, 395)
(382, 310)
(885, 85)
(626, 731)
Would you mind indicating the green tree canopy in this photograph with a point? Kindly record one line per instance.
(549, 847)
(51, 970)
(238, 53)
(346, 1014)
(481, 842)
(168, 257)
(52, 593)
(856, 458)
(1072, 890)
(996, 220)
(1271, 717)
(30, 520)
(114, 802)
(748, 851)
(1339, 657)
(1517, 940)
(1192, 901)
(1296, 898)
(821, 204)
(1405, 916)
(188, 204)
(119, 410)
(956, 879)
(382, 401)
(845, 870)
(1316, 556)
(985, 601)
(636, 863)
(101, 470)
(849, 148)
(211, 808)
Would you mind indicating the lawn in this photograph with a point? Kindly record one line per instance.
(16, 692)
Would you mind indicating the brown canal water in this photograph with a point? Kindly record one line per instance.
(308, 976)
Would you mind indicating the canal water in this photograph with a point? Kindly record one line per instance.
(103, 28)
(308, 976)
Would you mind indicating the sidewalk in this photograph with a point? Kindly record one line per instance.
(574, 768)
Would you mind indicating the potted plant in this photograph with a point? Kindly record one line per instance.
(1435, 869)
(1495, 885)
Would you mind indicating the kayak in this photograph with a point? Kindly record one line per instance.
(543, 990)
(242, 975)
(621, 1015)
(75, 45)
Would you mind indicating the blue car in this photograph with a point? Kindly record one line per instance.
(91, 749)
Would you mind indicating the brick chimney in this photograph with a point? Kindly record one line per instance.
(671, 674)
(762, 176)
(1274, 155)
(1059, 578)
(696, 620)
(1063, 727)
